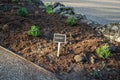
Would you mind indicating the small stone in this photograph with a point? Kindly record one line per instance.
(38, 2)
(56, 4)
(92, 60)
(90, 22)
(112, 48)
(19, 52)
(79, 58)
(102, 29)
(57, 10)
(64, 14)
(118, 39)
(115, 28)
(50, 56)
(70, 43)
(80, 16)
(109, 26)
(69, 8)
(5, 27)
(70, 51)
(70, 12)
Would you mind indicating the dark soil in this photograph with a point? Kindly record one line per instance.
(81, 40)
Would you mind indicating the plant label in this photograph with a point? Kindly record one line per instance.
(59, 38)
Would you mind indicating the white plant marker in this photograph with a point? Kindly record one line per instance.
(58, 49)
(59, 38)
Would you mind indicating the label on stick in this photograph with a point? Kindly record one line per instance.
(59, 38)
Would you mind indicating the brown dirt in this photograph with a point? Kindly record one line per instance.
(81, 40)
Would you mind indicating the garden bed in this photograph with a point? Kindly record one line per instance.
(82, 41)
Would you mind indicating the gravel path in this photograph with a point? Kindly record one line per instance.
(14, 67)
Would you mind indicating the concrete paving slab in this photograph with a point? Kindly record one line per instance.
(14, 67)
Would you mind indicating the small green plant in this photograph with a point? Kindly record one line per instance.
(103, 51)
(34, 31)
(71, 21)
(22, 11)
(95, 73)
(49, 9)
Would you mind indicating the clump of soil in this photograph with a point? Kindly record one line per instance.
(81, 40)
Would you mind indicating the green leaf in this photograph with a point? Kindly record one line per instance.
(71, 21)
(103, 51)
(34, 31)
(22, 11)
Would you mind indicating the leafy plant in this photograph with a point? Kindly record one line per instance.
(96, 73)
(49, 9)
(103, 51)
(34, 31)
(22, 11)
(71, 21)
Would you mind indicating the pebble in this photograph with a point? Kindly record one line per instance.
(50, 56)
(79, 58)
(112, 48)
(115, 28)
(57, 10)
(80, 16)
(64, 14)
(70, 51)
(38, 2)
(118, 39)
(19, 52)
(56, 4)
(5, 27)
(92, 60)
